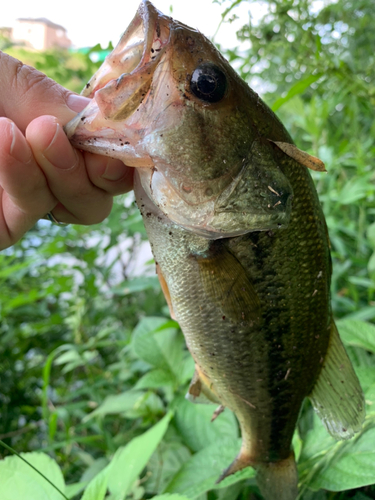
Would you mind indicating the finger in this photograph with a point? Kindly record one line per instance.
(109, 174)
(26, 93)
(24, 193)
(80, 201)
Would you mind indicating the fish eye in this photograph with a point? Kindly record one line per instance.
(208, 82)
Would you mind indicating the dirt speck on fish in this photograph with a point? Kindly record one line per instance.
(247, 271)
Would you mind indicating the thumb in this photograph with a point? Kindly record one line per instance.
(26, 93)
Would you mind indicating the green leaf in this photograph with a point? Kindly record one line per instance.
(352, 467)
(363, 314)
(371, 234)
(298, 88)
(97, 488)
(129, 461)
(193, 422)
(154, 379)
(18, 480)
(357, 333)
(353, 190)
(170, 497)
(164, 464)
(155, 340)
(72, 490)
(117, 403)
(200, 473)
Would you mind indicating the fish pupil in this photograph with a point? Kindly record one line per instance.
(208, 82)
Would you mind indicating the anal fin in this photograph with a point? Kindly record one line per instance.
(337, 396)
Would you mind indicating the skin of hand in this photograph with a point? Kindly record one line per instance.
(40, 171)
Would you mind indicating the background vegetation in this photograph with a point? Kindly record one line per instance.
(94, 372)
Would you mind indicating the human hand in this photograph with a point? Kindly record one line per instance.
(40, 171)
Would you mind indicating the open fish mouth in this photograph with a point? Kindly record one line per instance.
(120, 85)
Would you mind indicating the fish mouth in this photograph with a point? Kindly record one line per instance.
(119, 86)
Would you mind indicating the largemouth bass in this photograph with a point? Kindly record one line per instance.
(237, 232)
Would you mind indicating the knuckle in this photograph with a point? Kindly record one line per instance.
(21, 84)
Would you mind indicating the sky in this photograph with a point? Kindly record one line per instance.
(91, 23)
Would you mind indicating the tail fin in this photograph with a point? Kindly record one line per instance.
(276, 480)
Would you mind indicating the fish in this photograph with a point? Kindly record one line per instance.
(238, 234)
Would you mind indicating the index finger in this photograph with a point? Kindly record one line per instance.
(26, 93)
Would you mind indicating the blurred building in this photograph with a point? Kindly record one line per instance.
(40, 34)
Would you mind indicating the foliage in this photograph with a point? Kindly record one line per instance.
(93, 370)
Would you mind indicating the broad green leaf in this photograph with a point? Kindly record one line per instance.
(154, 379)
(193, 422)
(164, 464)
(352, 467)
(97, 488)
(19, 481)
(129, 461)
(93, 470)
(117, 403)
(72, 490)
(144, 341)
(357, 333)
(371, 234)
(231, 492)
(200, 473)
(170, 497)
(156, 341)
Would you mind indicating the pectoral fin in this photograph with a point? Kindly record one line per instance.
(309, 161)
(201, 391)
(226, 283)
(337, 395)
(165, 290)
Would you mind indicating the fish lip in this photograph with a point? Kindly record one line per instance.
(145, 20)
(125, 55)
